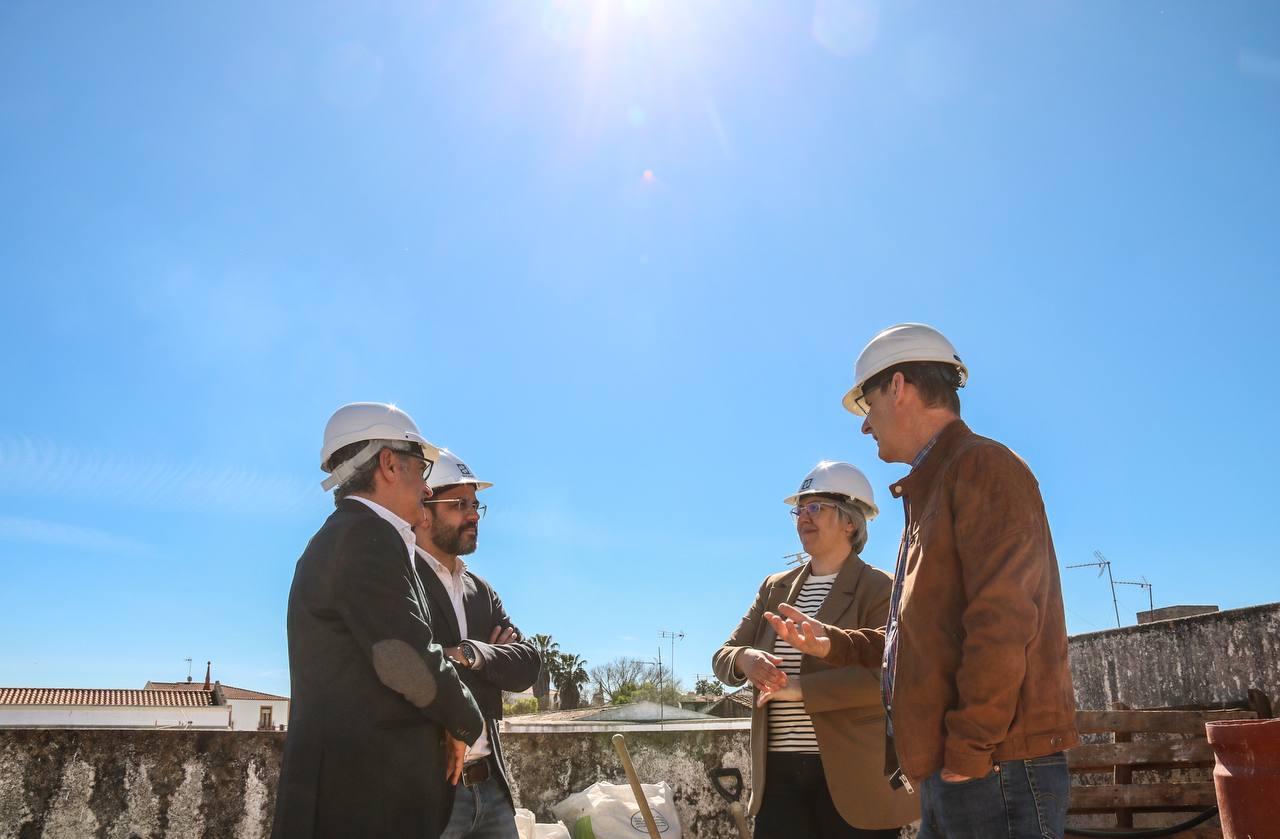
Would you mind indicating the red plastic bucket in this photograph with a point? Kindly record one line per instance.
(1246, 777)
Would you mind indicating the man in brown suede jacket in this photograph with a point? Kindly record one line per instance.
(974, 655)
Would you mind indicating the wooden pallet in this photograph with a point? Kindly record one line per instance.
(1169, 740)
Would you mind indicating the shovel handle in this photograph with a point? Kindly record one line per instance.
(740, 819)
(620, 746)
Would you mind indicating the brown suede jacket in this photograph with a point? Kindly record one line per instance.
(982, 672)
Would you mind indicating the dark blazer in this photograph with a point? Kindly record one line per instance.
(512, 667)
(372, 692)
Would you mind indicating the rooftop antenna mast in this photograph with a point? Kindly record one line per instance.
(674, 636)
(795, 558)
(188, 661)
(1103, 563)
(1151, 601)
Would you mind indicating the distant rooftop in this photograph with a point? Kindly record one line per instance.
(108, 697)
(227, 690)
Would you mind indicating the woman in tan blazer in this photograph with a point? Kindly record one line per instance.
(818, 732)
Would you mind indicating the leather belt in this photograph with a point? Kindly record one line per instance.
(475, 772)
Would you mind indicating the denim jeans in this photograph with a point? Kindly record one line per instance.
(1021, 799)
(798, 805)
(482, 811)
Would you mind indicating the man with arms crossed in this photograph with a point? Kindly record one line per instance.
(373, 695)
(488, 652)
(974, 657)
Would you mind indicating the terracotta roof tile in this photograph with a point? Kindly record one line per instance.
(107, 697)
(227, 690)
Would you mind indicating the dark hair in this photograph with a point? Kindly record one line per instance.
(937, 381)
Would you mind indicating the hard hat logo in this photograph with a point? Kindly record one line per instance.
(808, 482)
(450, 471)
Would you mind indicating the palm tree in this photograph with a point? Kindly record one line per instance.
(549, 650)
(570, 674)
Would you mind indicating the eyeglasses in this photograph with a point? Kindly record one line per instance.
(462, 505)
(872, 385)
(426, 464)
(812, 508)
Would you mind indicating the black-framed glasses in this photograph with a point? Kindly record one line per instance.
(872, 384)
(462, 505)
(810, 507)
(426, 464)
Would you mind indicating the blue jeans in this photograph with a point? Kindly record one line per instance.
(482, 811)
(1021, 799)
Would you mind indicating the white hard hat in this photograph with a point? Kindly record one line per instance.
(372, 421)
(833, 477)
(904, 342)
(449, 471)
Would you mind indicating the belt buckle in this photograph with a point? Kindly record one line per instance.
(475, 773)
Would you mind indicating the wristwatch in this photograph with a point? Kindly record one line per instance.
(468, 651)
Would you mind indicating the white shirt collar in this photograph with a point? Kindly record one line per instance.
(402, 527)
(438, 566)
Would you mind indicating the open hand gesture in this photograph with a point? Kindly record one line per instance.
(800, 631)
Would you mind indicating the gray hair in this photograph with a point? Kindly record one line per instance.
(851, 510)
(362, 479)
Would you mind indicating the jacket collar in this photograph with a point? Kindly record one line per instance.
(922, 475)
(443, 605)
(835, 605)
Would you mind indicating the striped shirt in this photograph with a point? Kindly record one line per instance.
(790, 729)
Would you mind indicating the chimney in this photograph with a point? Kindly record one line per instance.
(208, 670)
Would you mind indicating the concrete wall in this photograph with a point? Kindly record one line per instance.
(73, 784)
(547, 767)
(1206, 659)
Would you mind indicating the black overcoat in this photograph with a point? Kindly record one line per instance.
(372, 693)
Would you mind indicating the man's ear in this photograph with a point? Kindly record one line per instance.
(897, 386)
(387, 464)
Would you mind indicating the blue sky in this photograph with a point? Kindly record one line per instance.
(621, 257)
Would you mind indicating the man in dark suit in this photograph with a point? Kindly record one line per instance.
(488, 652)
(373, 695)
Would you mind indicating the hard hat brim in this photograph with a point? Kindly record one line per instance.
(850, 402)
(793, 500)
(479, 485)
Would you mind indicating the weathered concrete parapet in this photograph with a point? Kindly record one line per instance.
(547, 767)
(1200, 660)
(72, 784)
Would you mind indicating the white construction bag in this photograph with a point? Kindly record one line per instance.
(609, 811)
(528, 828)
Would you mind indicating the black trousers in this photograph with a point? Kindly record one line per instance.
(797, 803)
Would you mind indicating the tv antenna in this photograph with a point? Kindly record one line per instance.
(1151, 602)
(188, 661)
(1104, 564)
(795, 558)
(674, 636)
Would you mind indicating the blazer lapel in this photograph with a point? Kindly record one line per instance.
(476, 608)
(440, 598)
(781, 592)
(840, 598)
